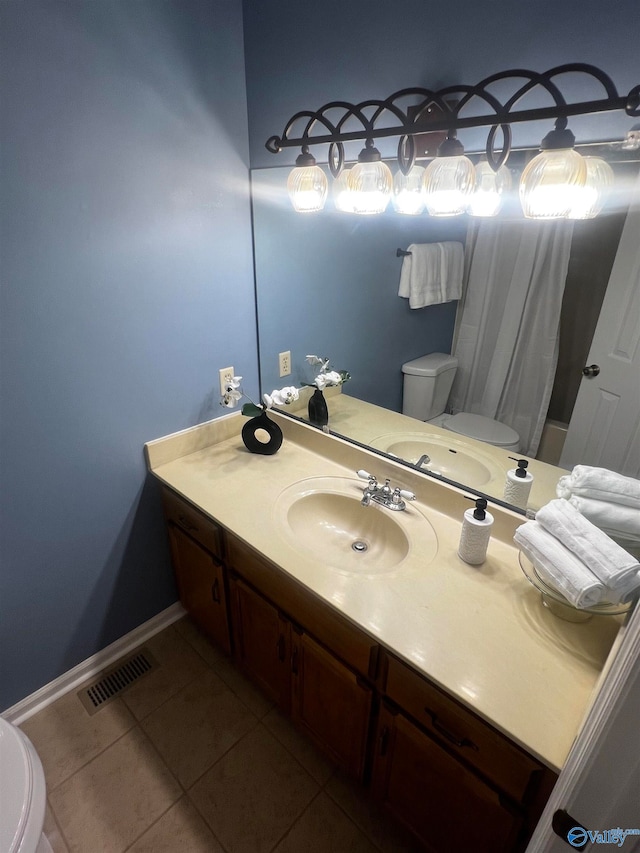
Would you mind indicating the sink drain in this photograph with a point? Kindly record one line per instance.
(359, 546)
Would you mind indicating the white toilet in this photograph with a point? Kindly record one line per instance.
(23, 794)
(426, 387)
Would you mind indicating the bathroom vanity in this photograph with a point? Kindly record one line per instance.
(448, 690)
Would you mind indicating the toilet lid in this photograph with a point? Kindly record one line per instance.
(22, 791)
(483, 429)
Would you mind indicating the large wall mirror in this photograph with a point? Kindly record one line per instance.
(327, 284)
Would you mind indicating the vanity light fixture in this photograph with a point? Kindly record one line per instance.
(370, 182)
(307, 184)
(551, 184)
(490, 188)
(449, 179)
(446, 109)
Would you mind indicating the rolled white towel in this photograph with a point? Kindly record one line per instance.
(558, 566)
(600, 484)
(610, 563)
(616, 520)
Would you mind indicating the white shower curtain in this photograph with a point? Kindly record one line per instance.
(508, 322)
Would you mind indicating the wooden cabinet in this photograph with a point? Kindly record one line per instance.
(199, 569)
(262, 638)
(330, 703)
(448, 807)
(451, 778)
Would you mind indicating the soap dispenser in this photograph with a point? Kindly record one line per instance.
(518, 484)
(476, 532)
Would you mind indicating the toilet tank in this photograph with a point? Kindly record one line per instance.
(426, 385)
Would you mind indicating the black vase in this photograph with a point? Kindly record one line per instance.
(253, 443)
(318, 412)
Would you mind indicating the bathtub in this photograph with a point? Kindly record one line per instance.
(552, 442)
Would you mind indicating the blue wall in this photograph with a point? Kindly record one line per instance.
(126, 284)
(303, 58)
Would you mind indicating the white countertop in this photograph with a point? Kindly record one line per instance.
(480, 633)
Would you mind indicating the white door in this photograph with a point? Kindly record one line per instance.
(599, 787)
(605, 424)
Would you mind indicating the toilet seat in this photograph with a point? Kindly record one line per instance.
(22, 792)
(483, 429)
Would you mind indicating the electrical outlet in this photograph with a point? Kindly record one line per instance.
(285, 363)
(226, 374)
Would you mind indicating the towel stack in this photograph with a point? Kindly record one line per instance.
(577, 558)
(432, 273)
(609, 500)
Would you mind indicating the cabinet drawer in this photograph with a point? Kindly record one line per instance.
(192, 521)
(347, 642)
(463, 733)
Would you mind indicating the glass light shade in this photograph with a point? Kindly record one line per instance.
(591, 197)
(370, 187)
(551, 184)
(447, 184)
(407, 192)
(341, 192)
(308, 188)
(490, 187)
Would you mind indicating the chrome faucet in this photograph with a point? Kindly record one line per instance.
(424, 460)
(393, 499)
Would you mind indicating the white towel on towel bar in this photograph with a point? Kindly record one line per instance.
(432, 273)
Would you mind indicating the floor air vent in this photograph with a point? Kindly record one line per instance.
(113, 682)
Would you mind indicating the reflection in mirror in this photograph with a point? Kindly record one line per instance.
(328, 283)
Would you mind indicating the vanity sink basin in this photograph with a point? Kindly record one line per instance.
(448, 457)
(323, 518)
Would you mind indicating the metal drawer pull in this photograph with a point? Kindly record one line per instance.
(215, 591)
(184, 521)
(444, 731)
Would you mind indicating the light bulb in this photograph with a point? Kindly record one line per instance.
(448, 180)
(591, 197)
(407, 192)
(489, 190)
(341, 192)
(370, 182)
(307, 184)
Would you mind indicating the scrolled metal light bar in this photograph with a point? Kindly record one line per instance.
(450, 118)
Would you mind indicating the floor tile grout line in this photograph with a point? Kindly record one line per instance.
(53, 788)
(351, 818)
(296, 820)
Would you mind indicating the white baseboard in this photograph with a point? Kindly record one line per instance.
(90, 667)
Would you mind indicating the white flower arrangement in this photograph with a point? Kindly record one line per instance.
(234, 393)
(325, 376)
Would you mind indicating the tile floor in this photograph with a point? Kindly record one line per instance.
(193, 759)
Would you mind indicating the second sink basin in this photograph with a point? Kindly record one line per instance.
(450, 458)
(322, 517)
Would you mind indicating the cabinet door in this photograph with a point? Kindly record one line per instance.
(330, 703)
(200, 579)
(448, 807)
(262, 642)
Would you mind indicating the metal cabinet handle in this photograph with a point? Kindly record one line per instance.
(449, 735)
(215, 591)
(383, 740)
(591, 370)
(184, 521)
